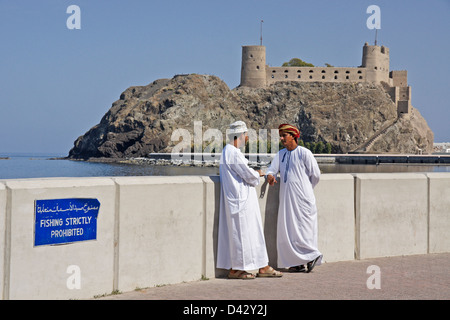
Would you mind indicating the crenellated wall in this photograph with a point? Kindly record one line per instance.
(161, 230)
(375, 68)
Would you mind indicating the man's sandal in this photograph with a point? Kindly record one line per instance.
(270, 273)
(300, 268)
(310, 265)
(240, 274)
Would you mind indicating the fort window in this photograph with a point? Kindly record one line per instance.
(286, 76)
(286, 71)
(346, 77)
(323, 77)
(335, 71)
(359, 71)
(360, 77)
(257, 67)
(347, 71)
(273, 76)
(299, 71)
(375, 68)
(335, 77)
(273, 71)
(299, 76)
(323, 71)
(310, 77)
(311, 71)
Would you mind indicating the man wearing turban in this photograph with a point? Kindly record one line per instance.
(297, 211)
(241, 242)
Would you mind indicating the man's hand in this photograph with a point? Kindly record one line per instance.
(271, 179)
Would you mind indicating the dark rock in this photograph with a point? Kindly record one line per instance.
(344, 114)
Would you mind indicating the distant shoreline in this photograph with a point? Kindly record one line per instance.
(257, 160)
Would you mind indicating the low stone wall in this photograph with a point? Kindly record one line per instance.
(161, 230)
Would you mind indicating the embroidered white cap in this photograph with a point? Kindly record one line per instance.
(237, 127)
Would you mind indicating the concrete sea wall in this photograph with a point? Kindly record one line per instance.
(160, 230)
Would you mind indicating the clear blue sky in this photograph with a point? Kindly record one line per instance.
(56, 83)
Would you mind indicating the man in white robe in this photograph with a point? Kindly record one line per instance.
(297, 212)
(241, 243)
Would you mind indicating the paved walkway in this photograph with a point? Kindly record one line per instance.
(421, 277)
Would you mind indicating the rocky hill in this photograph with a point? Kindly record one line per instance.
(345, 115)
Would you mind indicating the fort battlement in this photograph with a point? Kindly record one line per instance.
(374, 69)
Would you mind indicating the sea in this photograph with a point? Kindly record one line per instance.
(23, 165)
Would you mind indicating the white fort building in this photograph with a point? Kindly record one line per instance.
(374, 69)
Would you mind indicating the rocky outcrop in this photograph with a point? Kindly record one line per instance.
(346, 115)
(409, 134)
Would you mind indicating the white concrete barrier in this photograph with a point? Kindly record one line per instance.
(268, 204)
(336, 216)
(160, 230)
(2, 236)
(439, 212)
(45, 272)
(211, 222)
(391, 214)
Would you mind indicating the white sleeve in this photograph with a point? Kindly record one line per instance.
(312, 168)
(274, 167)
(241, 168)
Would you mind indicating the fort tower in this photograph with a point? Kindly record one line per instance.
(253, 70)
(376, 61)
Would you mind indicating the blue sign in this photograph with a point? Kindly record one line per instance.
(60, 221)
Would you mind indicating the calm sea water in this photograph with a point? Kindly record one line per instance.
(39, 166)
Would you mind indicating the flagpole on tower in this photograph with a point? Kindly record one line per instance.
(260, 39)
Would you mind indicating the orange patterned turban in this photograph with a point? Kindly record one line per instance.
(289, 129)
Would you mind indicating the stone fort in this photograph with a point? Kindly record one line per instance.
(374, 69)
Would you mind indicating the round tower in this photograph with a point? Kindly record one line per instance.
(253, 71)
(376, 60)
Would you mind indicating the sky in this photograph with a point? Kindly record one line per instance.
(57, 80)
